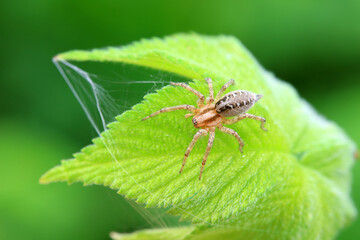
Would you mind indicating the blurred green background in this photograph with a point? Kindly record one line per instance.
(315, 45)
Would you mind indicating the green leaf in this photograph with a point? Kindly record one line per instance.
(291, 182)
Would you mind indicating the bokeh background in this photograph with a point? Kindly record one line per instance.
(315, 45)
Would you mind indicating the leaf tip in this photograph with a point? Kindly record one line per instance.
(42, 180)
(53, 175)
(56, 58)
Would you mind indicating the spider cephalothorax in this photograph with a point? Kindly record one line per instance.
(212, 115)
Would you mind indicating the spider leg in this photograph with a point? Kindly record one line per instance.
(208, 148)
(210, 99)
(201, 132)
(201, 97)
(246, 115)
(223, 88)
(169, 109)
(234, 133)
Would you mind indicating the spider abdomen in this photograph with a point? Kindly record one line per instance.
(236, 102)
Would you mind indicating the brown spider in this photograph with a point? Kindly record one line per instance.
(212, 115)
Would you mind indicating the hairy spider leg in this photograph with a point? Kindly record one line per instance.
(234, 133)
(246, 115)
(223, 88)
(210, 99)
(201, 132)
(169, 109)
(208, 148)
(201, 97)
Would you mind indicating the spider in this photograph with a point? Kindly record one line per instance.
(212, 115)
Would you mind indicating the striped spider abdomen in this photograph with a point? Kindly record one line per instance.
(236, 102)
